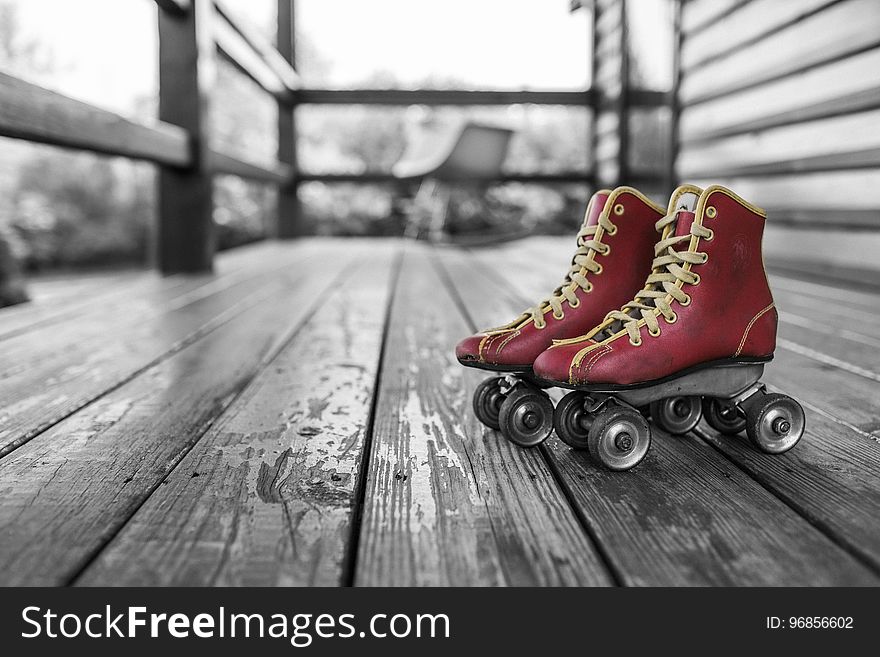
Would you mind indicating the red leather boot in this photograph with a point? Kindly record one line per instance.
(615, 247)
(692, 342)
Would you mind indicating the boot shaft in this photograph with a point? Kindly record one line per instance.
(732, 296)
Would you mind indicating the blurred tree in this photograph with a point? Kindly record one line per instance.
(16, 54)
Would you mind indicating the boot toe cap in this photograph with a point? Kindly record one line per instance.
(468, 350)
(554, 365)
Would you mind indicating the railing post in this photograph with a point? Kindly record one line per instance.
(674, 104)
(186, 239)
(289, 210)
(623, 101)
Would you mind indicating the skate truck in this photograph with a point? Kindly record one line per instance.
(692, 343)
(613, 255)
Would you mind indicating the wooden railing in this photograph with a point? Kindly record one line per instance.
(191, 33)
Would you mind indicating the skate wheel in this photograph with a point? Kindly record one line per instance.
(487, 401)
(677, 415)
(571, 421)
(526, 417)
(774, 423)
(619, 438)
(723, 416)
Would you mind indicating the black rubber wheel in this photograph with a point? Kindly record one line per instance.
(619, 438)
(571, 421)
(526, 417)
(677, 415)
(487, 401)
(774, 423)
(723, 416)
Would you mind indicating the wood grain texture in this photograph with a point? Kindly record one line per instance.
(832, 477)
(684, 516)
(50, 373)
(754, 21)
(843, 30)
(65, 494)
(68, 298)
(447, 502)
(271, 487)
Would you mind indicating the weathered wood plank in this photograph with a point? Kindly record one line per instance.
(439, 97)
(756, 20)
(832, 477)
(236, 49)
(813, 376)
(809, 190)
(50, 373)
(848, 299)
(698, 14)
(67, 493)
(843, 142)
(272, 485)
(684, 516)
(843, 30)
(274, 58)
(845, 86)
(15, 320)
(36, 114)
(446, 501)
(276, 172)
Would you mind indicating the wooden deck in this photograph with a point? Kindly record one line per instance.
(299, 419)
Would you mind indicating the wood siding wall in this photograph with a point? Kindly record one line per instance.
(780, 100)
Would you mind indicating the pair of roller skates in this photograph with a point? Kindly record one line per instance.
(695, 326)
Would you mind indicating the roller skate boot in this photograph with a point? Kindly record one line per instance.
(614, 252)
(693, 343)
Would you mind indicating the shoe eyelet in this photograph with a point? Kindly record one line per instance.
(599, 271)
(711, 235)
(705, 258)
(673, 320)
(607, 250)
(698, 279)
(635, 344)
(619, 209)
(711, 212)
(612, 230)
(575, 304)
(654, 334)
(559, 316)
(687, 300)
(589, 287)
(540, 326)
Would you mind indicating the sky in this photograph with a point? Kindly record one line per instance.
(104, 51)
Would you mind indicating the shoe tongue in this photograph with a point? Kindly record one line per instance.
(594, 209)
(683, 223)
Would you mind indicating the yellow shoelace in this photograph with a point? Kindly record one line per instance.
(581, 260)
(669, 263)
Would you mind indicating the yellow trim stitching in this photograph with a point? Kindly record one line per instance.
(742, 343)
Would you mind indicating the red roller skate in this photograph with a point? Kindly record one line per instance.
(692, 343)
(614, 252)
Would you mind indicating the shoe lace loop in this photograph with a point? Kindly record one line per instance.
(587, 243)
(667, 270)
